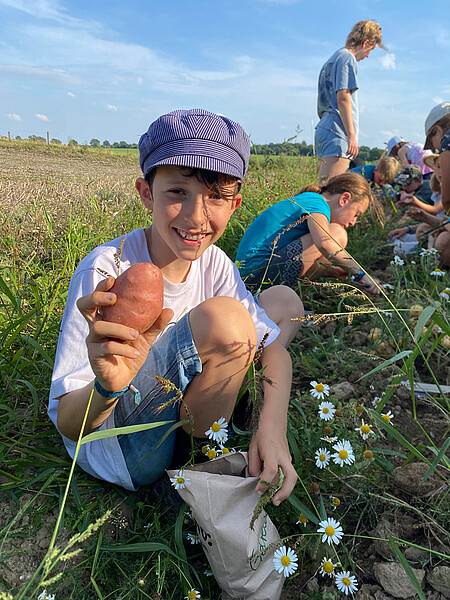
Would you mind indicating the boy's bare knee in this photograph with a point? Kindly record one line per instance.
(281, 302)
(220, 321)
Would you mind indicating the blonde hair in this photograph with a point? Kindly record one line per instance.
(388, 167)
(434, 184)
(362, 31)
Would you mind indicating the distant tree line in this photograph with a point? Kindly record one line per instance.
(283, 148)
(304, 149)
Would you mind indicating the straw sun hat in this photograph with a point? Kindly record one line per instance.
(430, 160)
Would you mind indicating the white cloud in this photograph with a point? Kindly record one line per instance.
(139, 81)
(388, 61)
(41, 117)
(71, 95)
(14, 116)
(112, 108)
(57, 76)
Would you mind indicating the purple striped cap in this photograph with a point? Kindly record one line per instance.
(195, 138)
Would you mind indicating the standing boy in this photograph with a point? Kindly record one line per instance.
(206, 336)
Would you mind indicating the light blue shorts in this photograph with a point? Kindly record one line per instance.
(328, 144)
(174, 357)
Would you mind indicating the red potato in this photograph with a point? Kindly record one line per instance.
(140, 297)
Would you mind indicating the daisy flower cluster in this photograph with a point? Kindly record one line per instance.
(218, 433)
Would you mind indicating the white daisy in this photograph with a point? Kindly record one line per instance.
(193, 538)
(218, 431)
(319, 390)
(180, 481)
(45, 596)
(327, 567)
(388, 286)
(322, 458)
(364, 430)
(192, 595)
(225, 450)
(428, 251)
(376, 401)
(302, 520)
(388, 416)
(437, 273)
(329, 439)
(344, 453)
(346, 583)
(285, 561)
(332, 531)
(208, 573)
(399, 262)
(326, 411)
(445, 294)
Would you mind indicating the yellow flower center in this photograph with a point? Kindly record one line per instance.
(365, 429)
(336, 501)
(386, 418)
(211, 454)
(319, 387)
(285, 561)
(329, 531)
(180, 479)
(303, 519)
(368, 454)
(343, 454)
(328, 567)
(204, 449)
(192, 595)
(346, 581)
(322, 458)
(215, 427)
(225, 451)
(325, 410)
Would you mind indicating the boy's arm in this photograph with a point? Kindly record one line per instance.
(403, 155)
(269, 448)
(116, 353)
(344, 102)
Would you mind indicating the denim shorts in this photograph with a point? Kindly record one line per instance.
(284, 267)
(328, 144)
(175, 358)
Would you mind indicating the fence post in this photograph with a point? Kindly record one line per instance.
(48, 138)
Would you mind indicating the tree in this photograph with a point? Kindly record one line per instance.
(95, 143)
(106, 144)
(55, 141)
(72, 142)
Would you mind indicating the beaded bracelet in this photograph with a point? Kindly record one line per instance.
(358, 276)
(110, 395)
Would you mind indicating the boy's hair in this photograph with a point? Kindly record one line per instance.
(198, 139)
(362, 31)
(388, 167)
(213, 180)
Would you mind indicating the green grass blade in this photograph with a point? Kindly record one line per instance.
(386, 363)
(142, 547)
(421, 323)
(302, 509)
(107, 433)
(437, 460)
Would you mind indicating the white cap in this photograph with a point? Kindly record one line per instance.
(393, 142)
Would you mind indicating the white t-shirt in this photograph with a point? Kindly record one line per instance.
(213, 274)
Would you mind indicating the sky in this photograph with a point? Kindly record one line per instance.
(89, 69)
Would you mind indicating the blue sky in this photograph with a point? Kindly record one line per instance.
(95, 69)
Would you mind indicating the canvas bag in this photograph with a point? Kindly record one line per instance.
(222, 498)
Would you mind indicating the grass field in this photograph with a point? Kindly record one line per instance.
(76, 537)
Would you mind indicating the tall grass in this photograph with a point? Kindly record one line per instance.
(107, 543)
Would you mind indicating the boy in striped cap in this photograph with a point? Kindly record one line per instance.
(193, 164)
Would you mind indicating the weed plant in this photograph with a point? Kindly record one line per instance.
(76, 537)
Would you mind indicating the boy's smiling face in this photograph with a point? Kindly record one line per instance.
(188, 217)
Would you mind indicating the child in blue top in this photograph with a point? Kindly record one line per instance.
(336, 138)
(293, 239)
